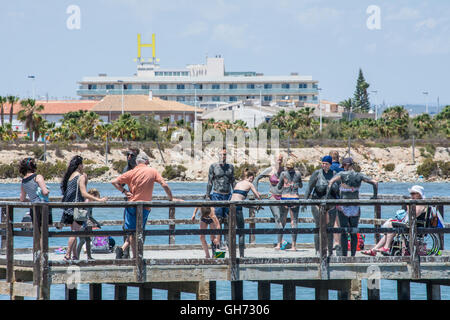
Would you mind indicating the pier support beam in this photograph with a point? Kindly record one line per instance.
(263, 290)
(204, 290)
(173, 294)
(120, 292)
(95, 291)
(288, 290)
(403, 290)
(212, 290)
(145, 292)
(237, 290)
(433, 291)
(71, 294)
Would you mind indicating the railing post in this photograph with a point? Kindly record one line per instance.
(415, 262)
(251, 225)
(3, 220)
(36, 248)
(9, 244)
(139, 243)
(377, 215)
(323, 243)
(236, 285)
(44, 288)
(440, 209)
(172, 225)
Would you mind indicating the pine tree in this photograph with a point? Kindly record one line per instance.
(361, 97)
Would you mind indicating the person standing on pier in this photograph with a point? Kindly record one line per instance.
(317, 189)
(349, 189)
(336, 167)
(290, 182)
(221, 181)
(141, 181)
(74, 189)
(132, 153)
(33, 187)
(279, 212)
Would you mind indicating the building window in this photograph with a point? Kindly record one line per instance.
(181, 98)
(198, 86)
(250, 86)
(232, 86)
(267, 86)
(145, 86)
(92, 87)
(267, 98)
(109, 86)
(314, 86)
(302, 85)
(163, 86)
(215, 98)
(314, 97)
(180, 86)
(127, 87)
(303, 98)
(232, 98)
(215, 86)
(163, 97)
(285, 86)
(185, 73)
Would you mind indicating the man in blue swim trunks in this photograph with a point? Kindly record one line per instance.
(221, 181)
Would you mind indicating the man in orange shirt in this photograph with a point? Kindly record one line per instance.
(140, 181)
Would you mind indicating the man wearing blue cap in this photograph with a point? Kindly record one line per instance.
(317, 189)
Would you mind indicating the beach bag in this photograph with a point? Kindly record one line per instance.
(80, 214)
(100, 245)
(360, 242)
(436, 220)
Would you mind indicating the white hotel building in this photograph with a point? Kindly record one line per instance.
(208, 83)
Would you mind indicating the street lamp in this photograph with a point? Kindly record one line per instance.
(33, 78)
(320, 108)
(426, 105)
(376, 103)
(123, 85)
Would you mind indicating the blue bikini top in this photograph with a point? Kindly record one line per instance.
(242, 192)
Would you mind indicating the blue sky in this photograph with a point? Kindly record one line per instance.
(329, 40)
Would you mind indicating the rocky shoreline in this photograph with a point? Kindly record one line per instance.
(373, 161)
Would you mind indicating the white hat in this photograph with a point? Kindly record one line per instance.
(142, 157)
(418, 189)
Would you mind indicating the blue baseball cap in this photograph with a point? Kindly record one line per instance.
(327, 159)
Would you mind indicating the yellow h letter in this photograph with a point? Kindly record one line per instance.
(146, 45)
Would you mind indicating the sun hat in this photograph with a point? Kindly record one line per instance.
(417, 189)
(327, 159)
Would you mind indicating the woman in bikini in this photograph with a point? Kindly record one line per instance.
(208, 218)
(279, 212)
(240, 192)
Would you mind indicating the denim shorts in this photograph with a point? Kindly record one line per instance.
(130, 218)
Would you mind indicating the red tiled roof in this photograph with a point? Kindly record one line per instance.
(56, 106)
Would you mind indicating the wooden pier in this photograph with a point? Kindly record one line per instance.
(182, 268)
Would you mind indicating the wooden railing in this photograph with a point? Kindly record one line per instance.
(41, 235)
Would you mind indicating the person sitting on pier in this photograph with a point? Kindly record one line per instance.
(73, 188)
(33, 187)
(240, 192)
(279, 212)
(317, 189)
(349, 189)
(384, 245)
(141, 181)
(290, 182)
(208, 218)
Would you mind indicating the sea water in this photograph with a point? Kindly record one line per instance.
(388, 288)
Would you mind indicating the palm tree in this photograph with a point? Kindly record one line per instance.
(12, 100)
(29, 115)
(3, 100)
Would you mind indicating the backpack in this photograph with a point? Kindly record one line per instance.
(100, 245)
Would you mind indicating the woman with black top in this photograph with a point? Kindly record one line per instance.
(73, 188)
(33, 187)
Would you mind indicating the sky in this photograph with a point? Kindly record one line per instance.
(403, 47)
